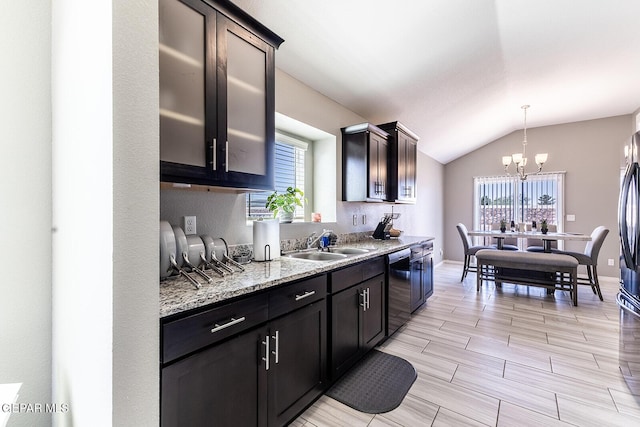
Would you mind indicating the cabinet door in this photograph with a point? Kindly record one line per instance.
(346, 344)
(298, 365)
(417, 284)
(246, 121)
(224, 385)
(187, 88)
(427, 275)
(373, 313)
(377, 167)
(217, 96)
(407, 157)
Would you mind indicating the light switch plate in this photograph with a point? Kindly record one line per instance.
(571, 218)
(189, 224)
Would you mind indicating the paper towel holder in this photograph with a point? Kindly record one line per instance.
(266, 240)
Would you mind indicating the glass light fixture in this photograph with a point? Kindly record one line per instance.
(520, 159)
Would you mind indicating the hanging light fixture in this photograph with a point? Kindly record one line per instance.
(520, 159)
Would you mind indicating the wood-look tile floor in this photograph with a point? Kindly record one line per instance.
(509, 356)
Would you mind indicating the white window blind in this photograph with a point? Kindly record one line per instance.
(289, 172)
(540, 196)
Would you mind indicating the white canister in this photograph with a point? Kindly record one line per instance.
(266, 239)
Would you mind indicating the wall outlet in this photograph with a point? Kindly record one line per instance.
(189, 224)
(610, 262)
(571, 218)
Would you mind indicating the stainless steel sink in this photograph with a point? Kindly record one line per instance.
(317, 256)
(350, 251)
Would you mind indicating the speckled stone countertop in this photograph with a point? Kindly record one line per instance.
(177, 294)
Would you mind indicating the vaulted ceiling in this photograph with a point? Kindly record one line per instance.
(457, 71)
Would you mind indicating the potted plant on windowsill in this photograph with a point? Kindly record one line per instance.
(283, 205)
(503, 226)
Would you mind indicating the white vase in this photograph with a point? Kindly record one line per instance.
(285, 217)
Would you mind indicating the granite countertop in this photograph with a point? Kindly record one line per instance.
(177, 294)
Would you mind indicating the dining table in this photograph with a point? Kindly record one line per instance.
(546, 238)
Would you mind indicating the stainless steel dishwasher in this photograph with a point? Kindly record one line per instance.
(410, 283)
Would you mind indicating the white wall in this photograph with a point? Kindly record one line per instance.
(105, 169)
(591, 154)
(136, 214)
(25, 216)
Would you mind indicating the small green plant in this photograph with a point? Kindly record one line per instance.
(544, 227)
(503, 225)
(285, 202)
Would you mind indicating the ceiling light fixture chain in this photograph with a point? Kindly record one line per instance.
(520, 159)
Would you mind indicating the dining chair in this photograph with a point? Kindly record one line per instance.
(469, 250)
(536, 245)
(510, 243)
(589, 258)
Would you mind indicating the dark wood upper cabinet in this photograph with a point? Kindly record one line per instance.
(403, 150)
(217, 95)
(364, 163)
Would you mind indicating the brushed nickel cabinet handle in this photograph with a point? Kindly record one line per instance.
(276, 352)
(305, 295)
(267, 354)
(218, 327)
(363, 304)
(226, 157)
(214, 155)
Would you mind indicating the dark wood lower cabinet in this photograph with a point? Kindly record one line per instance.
(224, 385)
(346, 344)
(373, 318)
(357, 323)
(417, 284)
(299, 375)
(263, 375)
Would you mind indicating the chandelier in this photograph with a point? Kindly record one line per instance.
(520, 159)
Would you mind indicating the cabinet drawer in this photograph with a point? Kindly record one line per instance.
(293, 296)
(373, 268)
(348, 276)
(191, 333)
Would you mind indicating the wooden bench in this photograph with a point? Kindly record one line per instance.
(551, 271)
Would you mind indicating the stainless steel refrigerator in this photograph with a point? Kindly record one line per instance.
(628, 297)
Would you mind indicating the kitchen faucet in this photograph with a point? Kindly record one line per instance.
(311, 241)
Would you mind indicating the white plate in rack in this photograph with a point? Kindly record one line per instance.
(167, 248)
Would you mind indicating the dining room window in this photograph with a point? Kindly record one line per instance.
(538, 197)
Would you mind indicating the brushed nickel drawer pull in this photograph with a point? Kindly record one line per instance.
(305, 295)
(233, 321)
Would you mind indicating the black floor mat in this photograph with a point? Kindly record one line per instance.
(377, 384)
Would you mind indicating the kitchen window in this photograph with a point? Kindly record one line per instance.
(540, 196)
(291, 156)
